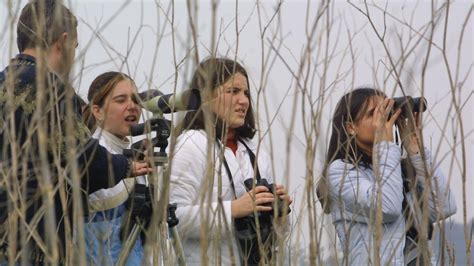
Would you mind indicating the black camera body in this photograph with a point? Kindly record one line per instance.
(140, 210)
(139, 202)
(280, 204)
(409, 104)
(246, 228)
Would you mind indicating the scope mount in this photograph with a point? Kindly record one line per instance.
(161, 127)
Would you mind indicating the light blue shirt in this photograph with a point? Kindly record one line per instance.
(355, 191)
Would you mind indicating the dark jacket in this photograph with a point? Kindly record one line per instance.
(25, 164)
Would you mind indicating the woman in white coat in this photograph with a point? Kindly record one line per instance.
(112, 110)
(374, 198)
(209, 167)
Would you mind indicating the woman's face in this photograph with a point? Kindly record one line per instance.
(231, 101)
(120, 109)
(364, 127)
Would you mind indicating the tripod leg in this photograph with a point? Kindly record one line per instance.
(170, 244)
(129, 244)
(165, 247)
(178, 247)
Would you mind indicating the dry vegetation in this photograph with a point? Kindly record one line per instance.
(399, 48)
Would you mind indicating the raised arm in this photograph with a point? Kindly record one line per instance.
(101, 169)
(442, 203)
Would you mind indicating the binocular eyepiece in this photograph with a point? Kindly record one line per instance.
(409, 104)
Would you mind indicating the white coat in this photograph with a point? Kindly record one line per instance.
(206, 202)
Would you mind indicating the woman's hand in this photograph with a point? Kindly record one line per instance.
(258, 199)
(410, 132)
(283, 194)
(383, 122)
(142, 167)
(139, 168)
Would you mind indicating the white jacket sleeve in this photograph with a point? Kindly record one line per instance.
(187, 176)
(442, 203)
(354, 189)
(265, 168)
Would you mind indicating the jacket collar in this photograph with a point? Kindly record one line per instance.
(111, 141)
(25, 57)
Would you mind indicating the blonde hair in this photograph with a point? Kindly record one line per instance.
(99, 89)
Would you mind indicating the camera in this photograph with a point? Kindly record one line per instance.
(140, 210)
(263, 182)
(139, 202)
(246, 228)
(409, 104)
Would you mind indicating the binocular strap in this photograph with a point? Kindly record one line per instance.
(252, 160)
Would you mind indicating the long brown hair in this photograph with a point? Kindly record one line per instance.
(99, 89)
(341, 145)
(210, 74)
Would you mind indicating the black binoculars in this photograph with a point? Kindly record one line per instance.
(246, 228)
(263, 182)
(409, 104)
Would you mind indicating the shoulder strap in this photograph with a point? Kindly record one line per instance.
(229, 175)
(252, 160)
(408, 173)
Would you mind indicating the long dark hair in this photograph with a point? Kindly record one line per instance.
(209, 75)
(342, 145)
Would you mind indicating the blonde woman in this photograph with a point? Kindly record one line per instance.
(112, 110)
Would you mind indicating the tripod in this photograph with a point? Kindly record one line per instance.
(149, 206)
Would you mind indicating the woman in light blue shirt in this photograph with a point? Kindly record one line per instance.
(370, 195)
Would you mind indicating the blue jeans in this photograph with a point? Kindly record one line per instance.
(103, 244)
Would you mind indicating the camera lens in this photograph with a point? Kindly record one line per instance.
(404, 103)
(419, 104)
(264, 182)
(408, 104)
(248, 184)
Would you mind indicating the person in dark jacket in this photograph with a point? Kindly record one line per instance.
(49, 163)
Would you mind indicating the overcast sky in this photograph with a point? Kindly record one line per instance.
(137, 38)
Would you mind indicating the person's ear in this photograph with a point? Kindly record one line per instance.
(65, 42)
(97, 113)
(350, 128)
(59, 44)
